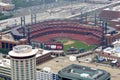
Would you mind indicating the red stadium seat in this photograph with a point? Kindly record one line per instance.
(44, 31)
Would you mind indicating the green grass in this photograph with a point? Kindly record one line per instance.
(78, 45)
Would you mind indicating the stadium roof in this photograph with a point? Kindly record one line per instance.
(15, 32)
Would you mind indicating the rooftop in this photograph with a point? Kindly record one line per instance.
(116, 8)
(113, 51)
(5, 63)
(23, 51)
(42, 52)
(116, 20)
(7, 37)
(4, 4)
(78, 71)
(58, 63)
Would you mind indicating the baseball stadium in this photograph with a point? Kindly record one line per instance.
(70, 33)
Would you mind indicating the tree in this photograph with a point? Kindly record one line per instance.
(2, 16)
(4, 51)
(1, 79)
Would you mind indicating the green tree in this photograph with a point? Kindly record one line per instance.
(4, 51)
(1, 79)
(2, 16)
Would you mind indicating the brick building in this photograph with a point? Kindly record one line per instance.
(7, 41)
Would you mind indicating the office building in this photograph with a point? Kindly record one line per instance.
(5, 69)
(78, 72)
(46, 75)
(112, 52)
(8, 41)
(23, 62)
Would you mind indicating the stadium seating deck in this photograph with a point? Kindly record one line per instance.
(44, 31)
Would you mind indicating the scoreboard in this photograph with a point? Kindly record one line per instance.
(50, 46)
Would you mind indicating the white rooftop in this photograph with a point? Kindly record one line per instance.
(48, 69)
(5, 63)
(116, 20)
(116, 8)
(114, 51)
(23, 51)
(84, 75)
(42, 52)
(4, 4)
(8, 37)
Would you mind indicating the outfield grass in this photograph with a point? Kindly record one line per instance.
(78, 45)
(62, 40)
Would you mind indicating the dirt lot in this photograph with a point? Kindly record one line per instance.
(69, 42)
(61, 62)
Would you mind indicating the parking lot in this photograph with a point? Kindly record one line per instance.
(61, 62)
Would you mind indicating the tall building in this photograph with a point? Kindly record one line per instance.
(23, 62)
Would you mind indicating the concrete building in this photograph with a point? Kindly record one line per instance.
(46, 75)
(115, 23)
(43, 56)
(7, 41)
(6, 6)
(23, 62)
(112, 54)
(5, 70)
(78, 72)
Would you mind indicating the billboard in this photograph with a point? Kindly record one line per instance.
(49, 46)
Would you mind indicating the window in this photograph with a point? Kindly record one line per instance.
(6, 45)
(3, 45)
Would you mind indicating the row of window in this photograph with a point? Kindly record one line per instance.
(7, 45)
(22, 69)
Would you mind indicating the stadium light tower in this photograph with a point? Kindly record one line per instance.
(23, 25)
(102, 43)
(95, 23)
(104, 31)
(81, 17)
(33, 15)
(28, 35)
